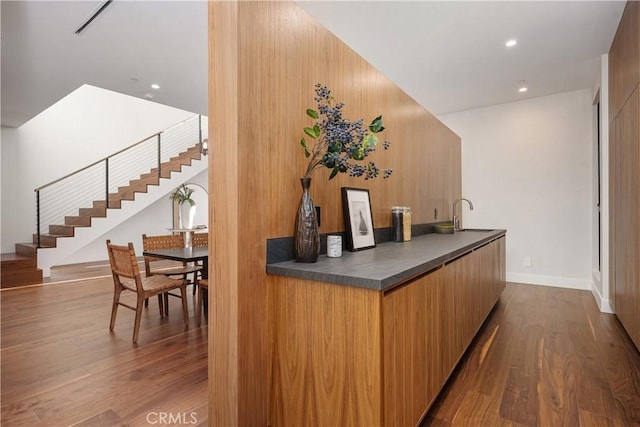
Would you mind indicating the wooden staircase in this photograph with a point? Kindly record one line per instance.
(20, 268)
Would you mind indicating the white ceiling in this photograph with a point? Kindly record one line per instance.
(449, 56)
(154, 42)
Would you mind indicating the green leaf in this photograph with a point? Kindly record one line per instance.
(376, 125)
(334, 172)
(357, 154)
(317, 131)
(311, 132)
(312, 113)
(335, 147)
(329, 160)
(303, 142)
(370, 141)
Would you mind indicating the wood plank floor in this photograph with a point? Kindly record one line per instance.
(546, 357)
(61, 366)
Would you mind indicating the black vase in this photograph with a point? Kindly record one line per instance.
(306, 237)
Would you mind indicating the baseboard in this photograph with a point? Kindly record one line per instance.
(603, 305)
(558, 282)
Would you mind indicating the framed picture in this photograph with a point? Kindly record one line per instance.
(358, 220)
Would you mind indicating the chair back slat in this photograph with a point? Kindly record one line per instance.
(165, 241)
(200, 240)
(124, 263)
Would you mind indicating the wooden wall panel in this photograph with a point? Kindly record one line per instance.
(265, 58)
(624, 59)
(224, 184)
(624, 157)
(326, 351)
(284, 54)
(627, 216)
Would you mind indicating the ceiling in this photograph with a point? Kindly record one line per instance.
(449, 56)
(130, 46)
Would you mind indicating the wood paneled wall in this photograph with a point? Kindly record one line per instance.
(624, 59)
(265, 58)
(624, 157)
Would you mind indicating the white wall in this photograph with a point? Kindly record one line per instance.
(85, 126)
(527, 168)
(9, 215)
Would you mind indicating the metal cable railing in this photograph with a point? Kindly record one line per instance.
(62, 197)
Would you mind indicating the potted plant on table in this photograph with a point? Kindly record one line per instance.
(337, 144)
(186, 206)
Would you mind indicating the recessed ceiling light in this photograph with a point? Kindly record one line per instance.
(511, 43)
(523, 89)
(155, 86)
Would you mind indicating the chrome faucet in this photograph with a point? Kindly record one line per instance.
(456, 220)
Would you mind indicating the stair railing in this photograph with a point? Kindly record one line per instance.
(62, 197)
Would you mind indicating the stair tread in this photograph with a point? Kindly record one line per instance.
(12, 256)
(34, 245)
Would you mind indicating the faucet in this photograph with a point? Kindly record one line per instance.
(456, 220)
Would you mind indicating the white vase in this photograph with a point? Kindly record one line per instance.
(187, 215)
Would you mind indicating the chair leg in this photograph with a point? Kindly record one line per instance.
(185, 310)
(136, 325)
(146, 302)
(195, 281)
(199, 307)
(160, 304)
(166, 303)
(114, 308)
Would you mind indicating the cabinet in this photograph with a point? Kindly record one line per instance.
(342, 355)
(624, 157)
(624, 59)
(429, 323)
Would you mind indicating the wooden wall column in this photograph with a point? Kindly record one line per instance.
(223, 214)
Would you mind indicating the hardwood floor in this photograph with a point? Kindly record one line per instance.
(61, 366)
(546, 357)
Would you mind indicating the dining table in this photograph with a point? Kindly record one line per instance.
(189, 254)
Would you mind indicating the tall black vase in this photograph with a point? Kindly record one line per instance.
(306, 237)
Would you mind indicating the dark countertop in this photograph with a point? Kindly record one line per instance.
(388, 264)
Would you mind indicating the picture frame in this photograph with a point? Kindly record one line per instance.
(358, 219)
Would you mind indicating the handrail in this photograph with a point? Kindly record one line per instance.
(122, 151)
(82, 181)
(97, 162)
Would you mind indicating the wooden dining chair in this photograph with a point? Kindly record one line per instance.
(167, 241)
(199, 240)
(126, 277)
(203, 286)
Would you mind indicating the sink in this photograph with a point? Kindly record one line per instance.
(446, 228)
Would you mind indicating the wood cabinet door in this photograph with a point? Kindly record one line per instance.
(413, 349)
